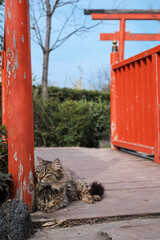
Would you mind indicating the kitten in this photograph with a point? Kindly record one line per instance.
(57, 186)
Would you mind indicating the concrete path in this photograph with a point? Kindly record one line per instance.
(148, 229)
(132, 194)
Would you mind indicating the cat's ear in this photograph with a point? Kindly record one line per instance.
(57, 163)
(40, 160)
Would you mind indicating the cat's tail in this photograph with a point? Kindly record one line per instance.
(96, 190)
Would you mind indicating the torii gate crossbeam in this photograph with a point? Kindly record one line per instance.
(124, 15)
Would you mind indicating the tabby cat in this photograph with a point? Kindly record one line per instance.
(57, 186)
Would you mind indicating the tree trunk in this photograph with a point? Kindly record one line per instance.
(46, 52)
(45, 75)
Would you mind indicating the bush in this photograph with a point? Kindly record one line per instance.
(5, 177)
(70, 117)
(44, 115)
(3, 149)
(70, 123)
(83, 123)
(63, 94)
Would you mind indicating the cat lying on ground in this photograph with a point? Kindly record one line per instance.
(57, 186)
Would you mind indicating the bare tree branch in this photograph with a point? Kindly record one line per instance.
(79, 30)
(37, 32)
(54, 7)
(41, 5)
(53, 22)
(62, 29)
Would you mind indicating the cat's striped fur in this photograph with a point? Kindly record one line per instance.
(57, 186)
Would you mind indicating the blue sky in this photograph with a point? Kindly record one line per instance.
(90, 54)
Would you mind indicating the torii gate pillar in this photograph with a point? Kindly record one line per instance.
(18, 98)
(122, 38)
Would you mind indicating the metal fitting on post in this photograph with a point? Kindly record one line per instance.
(114, 46)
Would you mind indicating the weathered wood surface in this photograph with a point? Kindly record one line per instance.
(132, 184)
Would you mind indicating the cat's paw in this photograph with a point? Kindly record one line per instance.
(97, 198)
(88, 198)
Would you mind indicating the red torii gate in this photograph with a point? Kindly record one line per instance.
(17, 106)
(124, 15)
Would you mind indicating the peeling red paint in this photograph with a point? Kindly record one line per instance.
(19, 100)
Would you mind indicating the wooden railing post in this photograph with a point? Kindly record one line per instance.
(156, 82)
(19, 100)
(114, 58)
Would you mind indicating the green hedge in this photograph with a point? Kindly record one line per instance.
(71, 123)
(63, 94)
(70, 117)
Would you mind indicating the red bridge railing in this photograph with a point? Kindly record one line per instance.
(135, 102)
